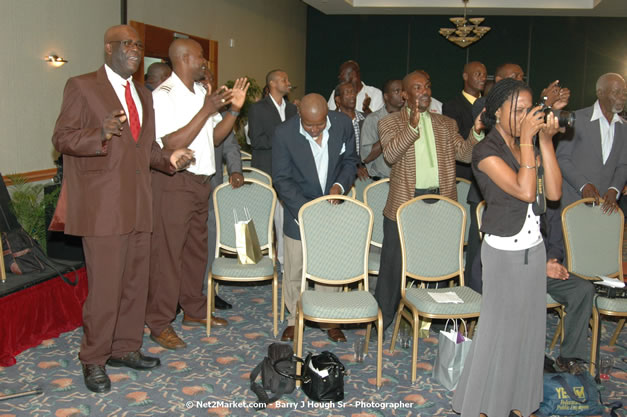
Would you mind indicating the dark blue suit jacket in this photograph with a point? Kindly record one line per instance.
(294, 173)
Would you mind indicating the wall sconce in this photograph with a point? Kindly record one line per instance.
(55, 61)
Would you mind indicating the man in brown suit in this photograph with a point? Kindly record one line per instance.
(421, 147)
(109, 202)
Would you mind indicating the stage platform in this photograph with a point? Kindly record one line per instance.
(36, 307)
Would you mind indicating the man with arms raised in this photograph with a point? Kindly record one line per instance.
(421, 148)
(185, 116)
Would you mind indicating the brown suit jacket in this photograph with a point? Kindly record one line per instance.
(107, 186)
(397, 140)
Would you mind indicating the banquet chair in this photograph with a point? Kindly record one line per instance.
(594, 246)
(335, 240)
(259, 200)
(432, 243)
(375, 197)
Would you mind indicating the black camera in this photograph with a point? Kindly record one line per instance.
(565, 118)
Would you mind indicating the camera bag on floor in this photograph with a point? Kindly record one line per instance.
(273, 368)
(322, 376)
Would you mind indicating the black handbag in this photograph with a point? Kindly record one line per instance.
(279, 362)
(322, 377)
(23, 255)
(19, 253)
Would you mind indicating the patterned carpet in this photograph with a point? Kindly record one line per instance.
(212, 373)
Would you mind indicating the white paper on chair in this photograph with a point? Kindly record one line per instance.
(609, 282)
(446, 297)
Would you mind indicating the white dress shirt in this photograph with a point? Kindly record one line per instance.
(119, 85)
(607, 129)
(175, 106)
(320, 153)
(280, 109)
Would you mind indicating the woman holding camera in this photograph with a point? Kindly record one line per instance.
(503, 371)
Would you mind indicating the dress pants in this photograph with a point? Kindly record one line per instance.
(179, 249)
(117, 278)
(577, 295)
(292, 278)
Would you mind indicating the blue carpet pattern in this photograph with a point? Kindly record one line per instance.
(211, 376)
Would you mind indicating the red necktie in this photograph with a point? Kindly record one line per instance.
(133, 116)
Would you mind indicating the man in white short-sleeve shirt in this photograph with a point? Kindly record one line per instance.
(185, 114)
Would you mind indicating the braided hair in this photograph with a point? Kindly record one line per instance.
(507, 88)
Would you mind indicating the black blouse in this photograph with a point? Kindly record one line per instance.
(504, 214)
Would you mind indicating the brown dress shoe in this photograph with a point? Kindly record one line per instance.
(336, 335)
(169, 339)
(288, 334)
(215, 321)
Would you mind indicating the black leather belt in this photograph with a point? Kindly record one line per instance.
(423, 191)
(201, 179)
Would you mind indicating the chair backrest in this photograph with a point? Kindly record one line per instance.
(245, 155)
(432, 238)
(479, 214)
(258, 198)
(375, 197)
(250, 172)
(360, 186)
(463, 186)
(593, 240)
(351, 192)
(335, 239)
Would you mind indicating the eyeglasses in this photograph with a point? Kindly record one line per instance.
(128, 43)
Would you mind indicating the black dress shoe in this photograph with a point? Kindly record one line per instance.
(220, 304)
(96, 378)
(135, 360)
(572, 365)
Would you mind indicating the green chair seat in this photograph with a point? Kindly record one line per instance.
(618, 305)
(549, 299)
(230, 267)
(421, 299)
(339, 305)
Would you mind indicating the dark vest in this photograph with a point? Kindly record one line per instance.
(504, 214)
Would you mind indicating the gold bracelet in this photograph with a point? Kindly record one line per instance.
(526, 144)
(528, 167)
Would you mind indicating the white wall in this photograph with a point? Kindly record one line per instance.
(268, 34)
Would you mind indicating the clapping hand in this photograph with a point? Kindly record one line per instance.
(238, 93)
(182, 158)
(215, 101)
(557, 97)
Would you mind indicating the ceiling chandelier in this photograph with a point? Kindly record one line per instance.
(467, 31)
